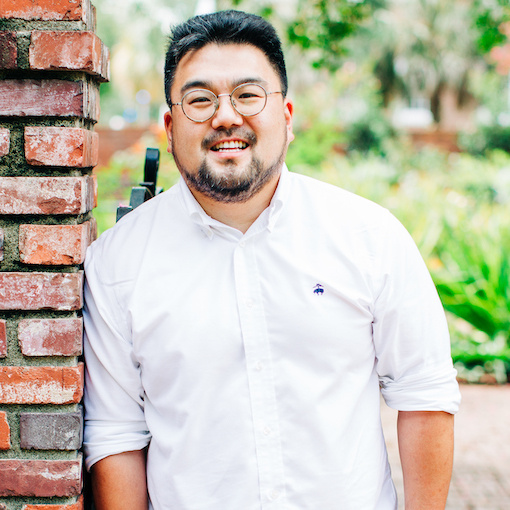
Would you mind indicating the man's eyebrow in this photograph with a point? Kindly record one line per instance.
(204, 84)
(196, 84)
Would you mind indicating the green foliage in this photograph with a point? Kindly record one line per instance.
(487, 138)
(474, 283)
(322, 26)
(313, 146)
(488, 17)
(369, 133)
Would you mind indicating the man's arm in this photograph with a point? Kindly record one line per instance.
(425, 440)
(120, 482)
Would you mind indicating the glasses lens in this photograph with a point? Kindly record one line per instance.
(199, 105)
(249, 99)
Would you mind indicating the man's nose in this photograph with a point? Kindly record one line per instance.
(226, 115)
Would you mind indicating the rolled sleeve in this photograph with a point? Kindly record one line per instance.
(410, 331)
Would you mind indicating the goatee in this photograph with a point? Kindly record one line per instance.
(232, 184)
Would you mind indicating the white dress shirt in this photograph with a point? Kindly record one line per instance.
(252, 364)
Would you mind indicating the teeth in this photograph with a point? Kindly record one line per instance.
(232, 144)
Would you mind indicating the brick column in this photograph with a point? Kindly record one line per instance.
(51, 65)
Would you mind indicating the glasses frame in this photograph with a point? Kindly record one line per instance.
(217, 102)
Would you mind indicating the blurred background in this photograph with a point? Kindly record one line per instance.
(405, 102)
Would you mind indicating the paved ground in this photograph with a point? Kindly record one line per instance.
(481, 473)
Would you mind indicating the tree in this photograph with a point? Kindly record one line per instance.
(319, 27)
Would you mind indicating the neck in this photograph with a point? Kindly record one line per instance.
(239, 215)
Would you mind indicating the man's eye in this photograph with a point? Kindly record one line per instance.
(200, 101)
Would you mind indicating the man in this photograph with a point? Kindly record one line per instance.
(239, 326)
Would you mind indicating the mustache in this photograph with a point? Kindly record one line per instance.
(214, 138)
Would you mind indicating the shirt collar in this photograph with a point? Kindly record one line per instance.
(211, 226)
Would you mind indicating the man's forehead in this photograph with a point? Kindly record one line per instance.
(238, 62)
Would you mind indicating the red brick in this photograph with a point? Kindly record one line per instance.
(3, 338)
(50, 337)
(69, 51)
(73, 506)
(54, 244)
(58, 10)
(49, 98)
(41, 291)
(46, 195)
(5, 432)
(4, 140)
(8, 50)
(41, 385)
(40, 478)
(61, 146)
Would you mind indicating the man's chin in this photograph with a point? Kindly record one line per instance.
(230, 183)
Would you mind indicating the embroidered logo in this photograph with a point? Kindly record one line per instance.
(318, 289)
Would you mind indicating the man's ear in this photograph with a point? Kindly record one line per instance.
(288, 112)
(168, 128)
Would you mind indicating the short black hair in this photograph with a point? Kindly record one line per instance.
(224, 27)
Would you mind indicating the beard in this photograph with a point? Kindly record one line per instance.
(232, 184)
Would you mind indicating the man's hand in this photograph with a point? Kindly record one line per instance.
(119, 482)
(425, 440)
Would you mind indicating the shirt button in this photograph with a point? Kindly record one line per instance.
(249, 303)
(267, 431)
(258, 366)
(274, 494)
(242, 243)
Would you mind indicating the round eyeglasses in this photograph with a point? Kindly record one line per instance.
(247, 99)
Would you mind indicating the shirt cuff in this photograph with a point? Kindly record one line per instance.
(435, 390)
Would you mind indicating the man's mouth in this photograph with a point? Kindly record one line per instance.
(232, 145)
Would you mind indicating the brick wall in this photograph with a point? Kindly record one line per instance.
(51, 66)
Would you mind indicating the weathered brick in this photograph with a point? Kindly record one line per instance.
(54, 244)
(41, 385)
(61, 146)
(49, 98)
(69, 51)
(40, 478)
(46, 195)
(8, 50)
(73, 506)
(5, 432)
(41, 291)
(50, 337)
(1, 244)
(51, 431)
(58, 10)
(4, 140)
(3, 338)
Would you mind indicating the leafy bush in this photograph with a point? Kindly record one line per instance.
(486, 138)
(313, 145)
(369, 134)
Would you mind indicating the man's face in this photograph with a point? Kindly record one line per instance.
(229, 157)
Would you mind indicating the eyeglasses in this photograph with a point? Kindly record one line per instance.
(247, 99)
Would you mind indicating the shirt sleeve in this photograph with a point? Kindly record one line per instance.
(413, 357)
(113, 398)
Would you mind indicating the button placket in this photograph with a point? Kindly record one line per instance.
(261, 383)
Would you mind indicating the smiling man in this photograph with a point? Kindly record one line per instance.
(241, 326)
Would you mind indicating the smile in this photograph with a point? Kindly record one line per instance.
(232, 145)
